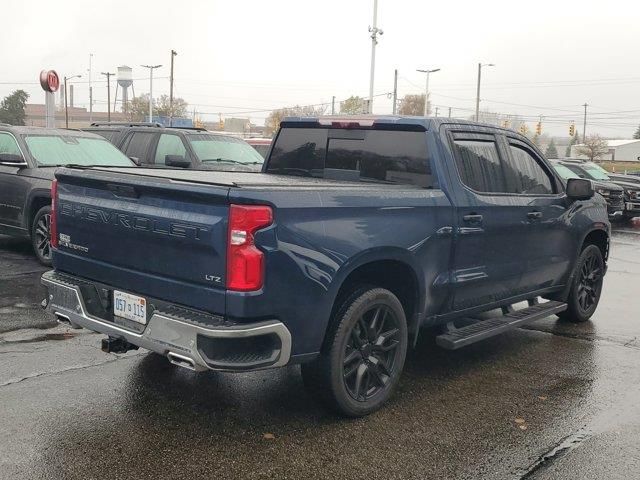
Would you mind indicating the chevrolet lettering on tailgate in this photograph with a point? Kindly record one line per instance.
(133, 222)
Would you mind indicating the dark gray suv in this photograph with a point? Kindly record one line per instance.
(152, 145)
(28, 159)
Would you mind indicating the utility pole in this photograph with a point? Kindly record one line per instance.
(584, 125)
(437, 110)
(151, 68)
(395, 91)
(480, 65)
(375, 31)
(449, 112)
(173, 54)
(333, 105)
(108, 75)
(66, 109)
(90, 91)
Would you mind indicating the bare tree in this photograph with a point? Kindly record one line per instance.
(353, 106)
(413, 105)
(594, 147)
(276, 116)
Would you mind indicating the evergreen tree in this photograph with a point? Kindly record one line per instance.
(574, 141)
(636, 135)
(12, 108)
(552, 151)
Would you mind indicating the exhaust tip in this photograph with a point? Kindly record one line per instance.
(181, 361)
(63, 319)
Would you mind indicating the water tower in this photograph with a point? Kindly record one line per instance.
(125, 80)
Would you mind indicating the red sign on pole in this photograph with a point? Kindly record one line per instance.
(49, 80)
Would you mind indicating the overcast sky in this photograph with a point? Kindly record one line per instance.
(252, 56)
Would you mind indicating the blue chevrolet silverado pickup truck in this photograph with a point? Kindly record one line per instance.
(357, 233)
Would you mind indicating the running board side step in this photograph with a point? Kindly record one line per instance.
(481, 330)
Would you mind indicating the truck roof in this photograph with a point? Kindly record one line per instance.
(427, 123)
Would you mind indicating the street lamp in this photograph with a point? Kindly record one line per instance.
(426, 92)
(66, 108)
(151, 68)
(480, 65)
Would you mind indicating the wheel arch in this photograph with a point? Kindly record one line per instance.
(37, 200)
(393, 269)
(598, 237)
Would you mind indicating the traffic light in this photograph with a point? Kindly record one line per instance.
(572, 130)
(523, 128)
(539, 128)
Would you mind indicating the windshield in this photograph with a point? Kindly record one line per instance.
(213, 148)
(564, 172)
(595, 172)
(52, 150)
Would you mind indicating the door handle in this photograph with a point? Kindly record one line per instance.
(473, 218)
(534, 215)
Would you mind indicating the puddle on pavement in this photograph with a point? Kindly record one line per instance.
(45, 337)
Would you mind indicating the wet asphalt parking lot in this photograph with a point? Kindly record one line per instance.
(552, 400)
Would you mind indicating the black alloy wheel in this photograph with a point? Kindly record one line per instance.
(370, 353)
(590, 282)
(41, 235)
(586, 287)
(363, 353)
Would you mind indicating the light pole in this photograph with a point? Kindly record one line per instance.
(90, 91)
(173, 54)
(151, 68)
(426, 91)
(375, 31)
(584, 125)
(66, 109)
(480, 65)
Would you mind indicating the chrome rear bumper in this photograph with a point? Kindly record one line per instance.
(186, 344)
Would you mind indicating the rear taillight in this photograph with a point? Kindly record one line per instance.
(53, 222)
(245, 263)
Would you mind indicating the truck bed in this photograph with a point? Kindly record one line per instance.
(222, 179)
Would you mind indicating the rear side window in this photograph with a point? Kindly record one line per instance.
(478, 164)
(8, 144)
(388, 156)
(524, 174)
(138, 145)
(169, 145)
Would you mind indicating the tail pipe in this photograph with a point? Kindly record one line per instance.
(181, 361)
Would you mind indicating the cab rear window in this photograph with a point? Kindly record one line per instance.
(378, 156)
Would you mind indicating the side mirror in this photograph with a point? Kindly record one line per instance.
(12, 160)
(176, 161)
(135, 160)
(579, 189)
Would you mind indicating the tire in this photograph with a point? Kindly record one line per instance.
(364, 353)
(41, 236)
(586, 286)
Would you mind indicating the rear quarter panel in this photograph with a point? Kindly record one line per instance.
(319, 237)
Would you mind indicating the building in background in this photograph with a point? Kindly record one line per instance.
(78, 117)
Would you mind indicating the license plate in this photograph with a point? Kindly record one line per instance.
(129, 306)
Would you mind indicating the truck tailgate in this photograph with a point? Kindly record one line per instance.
(154, 237)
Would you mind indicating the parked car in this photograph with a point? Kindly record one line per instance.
(358, 233)
(153, 145)
(628, 183)
(28, 158)
(262, 145)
